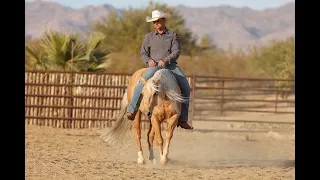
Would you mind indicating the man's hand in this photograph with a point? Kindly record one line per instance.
(152, 63)
(161, 63)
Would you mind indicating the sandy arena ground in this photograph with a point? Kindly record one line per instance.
(80, 154)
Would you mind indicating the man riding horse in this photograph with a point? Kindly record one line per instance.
(161, 49)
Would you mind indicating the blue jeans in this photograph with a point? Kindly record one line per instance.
(182, 82)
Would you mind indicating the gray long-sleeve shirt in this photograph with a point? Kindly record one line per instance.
(158, 46)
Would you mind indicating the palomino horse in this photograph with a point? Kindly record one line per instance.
(162, 97)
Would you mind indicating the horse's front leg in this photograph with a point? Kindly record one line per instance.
(155, 121)
(150, 144)
(137, 133)
(172, 123)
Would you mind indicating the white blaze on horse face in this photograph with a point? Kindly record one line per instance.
(148, 100)
(145, 103)
(153, 102)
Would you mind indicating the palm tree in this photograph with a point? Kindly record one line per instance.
(56, 50)
(94, 59)
(35, 58)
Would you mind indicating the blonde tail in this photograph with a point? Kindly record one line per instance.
(119, 131)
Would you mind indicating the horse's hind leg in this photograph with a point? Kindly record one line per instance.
(137, 133)
(172, 123)
(150, 144)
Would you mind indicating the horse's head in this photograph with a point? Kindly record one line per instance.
(161, 86)
(149, 92)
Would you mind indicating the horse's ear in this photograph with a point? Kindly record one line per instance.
(156, 81)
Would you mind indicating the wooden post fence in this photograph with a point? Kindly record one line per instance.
(89, 100)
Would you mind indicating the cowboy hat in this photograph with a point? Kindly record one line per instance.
(157, 14)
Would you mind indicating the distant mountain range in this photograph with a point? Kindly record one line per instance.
(224, 24)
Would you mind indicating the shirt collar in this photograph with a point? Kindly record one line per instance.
(166, 31)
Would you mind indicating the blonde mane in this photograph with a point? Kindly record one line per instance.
(165, 84)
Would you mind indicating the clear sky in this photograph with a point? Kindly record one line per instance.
(254, 4)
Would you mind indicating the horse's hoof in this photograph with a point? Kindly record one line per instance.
(163, 160)
(140, 161)
(153, 161)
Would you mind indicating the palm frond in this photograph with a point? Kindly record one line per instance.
(58, 46)
(36, 57)
(93, 42)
